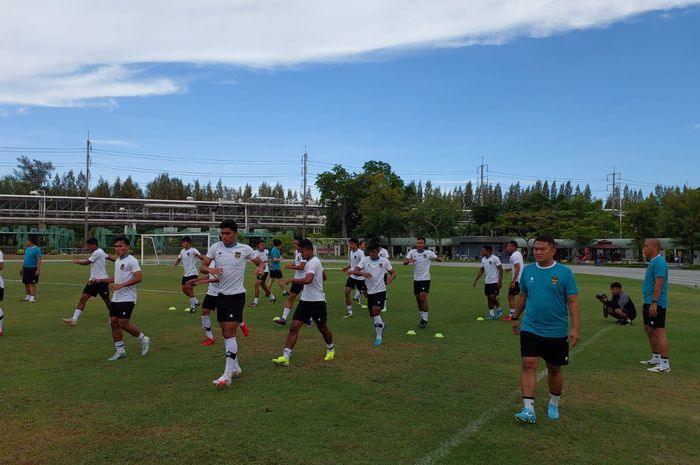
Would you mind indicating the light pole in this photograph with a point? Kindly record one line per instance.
(42, 205)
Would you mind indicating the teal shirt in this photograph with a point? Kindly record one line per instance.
(657, 268)
(30, 255)
(546, 307)
(275, 253)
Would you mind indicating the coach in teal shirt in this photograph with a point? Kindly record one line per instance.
(548, 295)
(655, 294)
(31, 267)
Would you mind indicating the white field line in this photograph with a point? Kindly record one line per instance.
(462, 435)
(83, 285)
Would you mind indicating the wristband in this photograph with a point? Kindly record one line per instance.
(514, 318)
(654, 301)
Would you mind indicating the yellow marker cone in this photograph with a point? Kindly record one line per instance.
(439, 335)
(172, 308)
(480, 318)
(410, 332)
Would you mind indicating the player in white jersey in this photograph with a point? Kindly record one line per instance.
(383, 253)
(420, 258)
(97, 271)
(295, 289)
(492, 268)
(231, 258)
(188, 256)
(127, 274)
(516, 268)
(2, 289)
(374, 269)
(355, 256)
(260, 277)
(312, 305)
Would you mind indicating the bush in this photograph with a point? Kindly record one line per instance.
(20, 251)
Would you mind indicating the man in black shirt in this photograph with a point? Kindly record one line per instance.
(620, 306)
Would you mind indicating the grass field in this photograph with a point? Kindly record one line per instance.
(416, 399)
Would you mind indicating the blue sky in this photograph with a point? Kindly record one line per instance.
(555, 104)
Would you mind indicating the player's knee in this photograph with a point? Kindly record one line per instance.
(123, 323)
(528, 364)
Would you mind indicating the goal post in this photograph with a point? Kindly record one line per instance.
(156, 246)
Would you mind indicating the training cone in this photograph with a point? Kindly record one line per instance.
(480, 318)
(410, 332)
(187, 310)
(439, 335)
(172, 308)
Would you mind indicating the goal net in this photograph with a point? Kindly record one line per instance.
(157, 247)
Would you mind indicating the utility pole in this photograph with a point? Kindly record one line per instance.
(305, 160)
(615, 176)
(481, 181)
(87, 186)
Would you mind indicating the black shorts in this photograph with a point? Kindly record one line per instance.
(358, 284)
(95, 289)
(515, 290)
(276, 274)
(296, 288)
(209, 302)
(230, 307)
(491, 289)
(121, 310)
(29, 276)
(421, 286)
(188, 278)
(386, 278)
(307, 310)
(376, 300)
(2, 293)
(262, 277)
(659, 321)
(554, 350)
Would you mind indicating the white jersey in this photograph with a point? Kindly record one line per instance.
(188, 259)
(383, 253)
(421, 267)
(299, 260)
(2, 260)
(213, 288)
(124, 270)
(355, 258)
(313, 292)
(490, 266)
(233, 261)
(264, 256)
(378, 268)
(98, 269)
(516, 257)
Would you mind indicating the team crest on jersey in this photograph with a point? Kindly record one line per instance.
(122, 266)
(238, 255)
(555, 280)
(188, 254)
(425, 255)
(381, 265)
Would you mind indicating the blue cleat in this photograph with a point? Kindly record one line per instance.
(526, 416)
(553, 412)
(499, 314)
(377, 342)
(491, 317)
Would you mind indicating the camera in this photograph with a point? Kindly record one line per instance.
(601, 297)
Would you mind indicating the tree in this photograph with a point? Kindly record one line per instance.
(435, 217)
(101, 189)
(381, 206)
(640, 221)
(31, 174)
(129, 189)
(680, 218)
(339, 191)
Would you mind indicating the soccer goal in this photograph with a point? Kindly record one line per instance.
(156, 247)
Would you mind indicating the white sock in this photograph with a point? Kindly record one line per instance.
(272, 296)
(357, 295)
(193, 302)
(27, 297)
(285, 313)
(287, 353)
(529, 403)
(231, 345)
(330, 347)
(511, 312)
(378, 326)
(120, 347)
(255, 300)
(206, 326)
(664, 363)
(424, 315)
(31, 298)
(141, 337)
(2, 318)
(76, 314)
(656, 357)
(492, 313)
(554, 400)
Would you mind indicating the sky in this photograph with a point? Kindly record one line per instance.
(237, 90)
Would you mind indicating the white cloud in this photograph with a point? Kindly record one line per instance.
(69, 53)
(113, 142)
(697, 126)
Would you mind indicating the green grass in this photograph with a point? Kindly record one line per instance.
(62, 402)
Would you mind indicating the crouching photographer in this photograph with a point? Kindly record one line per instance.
(619, 306)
